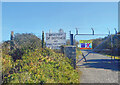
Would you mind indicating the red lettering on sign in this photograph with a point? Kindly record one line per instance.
(88, 44)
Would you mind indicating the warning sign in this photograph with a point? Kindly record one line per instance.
(85, 44)
(55, 40)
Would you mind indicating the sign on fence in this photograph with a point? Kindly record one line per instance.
(55, 40)
(85, 44)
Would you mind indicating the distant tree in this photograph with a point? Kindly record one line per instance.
(23, 43)
(68, 42)
(27, 41)
(113, 46)
(76, 43)
(96, 42)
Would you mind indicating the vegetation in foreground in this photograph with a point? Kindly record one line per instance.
(36, 66)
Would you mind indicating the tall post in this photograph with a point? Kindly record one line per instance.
(12, 41)
(92, 31)
(111, 47)
(42, 39)
(76, 31)
(114, 47)
(71, 39)
(115, 30)
(12, 33)
(74, 38)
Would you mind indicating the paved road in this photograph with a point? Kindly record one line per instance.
(98, 69)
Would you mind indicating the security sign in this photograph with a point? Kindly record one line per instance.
(55, 40)
(85, 44)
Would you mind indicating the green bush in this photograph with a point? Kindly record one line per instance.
(22, 43)
(39, 66)
(27, 41)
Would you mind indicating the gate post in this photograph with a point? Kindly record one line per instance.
(71, 39)
(70, 52)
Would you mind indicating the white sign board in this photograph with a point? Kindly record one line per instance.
(55, 40)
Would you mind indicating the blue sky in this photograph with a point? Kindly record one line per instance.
(35, 17)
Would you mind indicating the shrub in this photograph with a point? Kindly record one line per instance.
(27, 41)
(36, 68)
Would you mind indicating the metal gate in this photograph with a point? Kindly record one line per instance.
(109, 45)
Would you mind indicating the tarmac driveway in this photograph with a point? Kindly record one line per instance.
(98, 69)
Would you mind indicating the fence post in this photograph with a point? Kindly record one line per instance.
(114, 47)
(42, 39)
(111, 46)
(12, 41)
